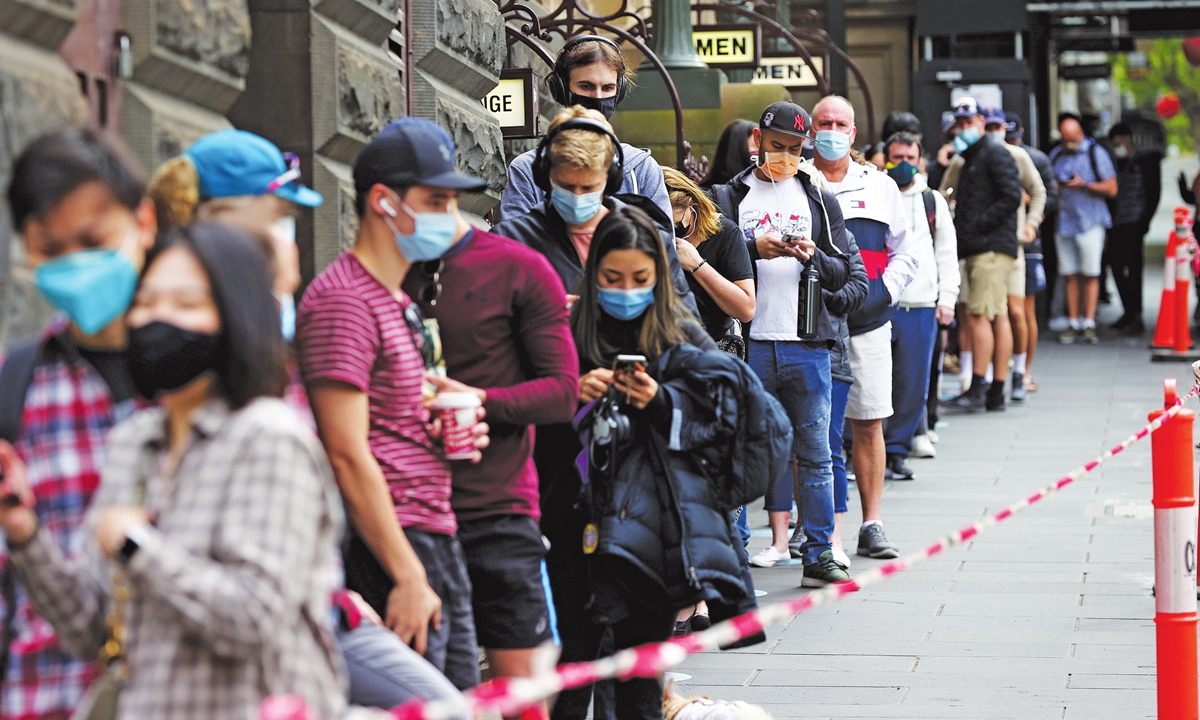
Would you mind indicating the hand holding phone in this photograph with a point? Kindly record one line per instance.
(625, 369)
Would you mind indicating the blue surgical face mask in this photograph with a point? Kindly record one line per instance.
(626, 304)
(575, 209)
(93, 287)
(287, 315)
(832, 144)
(433, 234)
(968, 137)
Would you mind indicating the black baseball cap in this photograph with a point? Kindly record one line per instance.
(786, 117)
(411, 153)
(1012, 125)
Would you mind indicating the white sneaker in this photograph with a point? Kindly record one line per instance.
(922, 447)
(1059, 324)
(933, 436)
(769, 557)
(840, 556)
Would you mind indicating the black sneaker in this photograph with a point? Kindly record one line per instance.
(1018, 393)
(797, 539)
(897, 469)
(972, 401)
(873, 543)
(825, 571)
(995, 401)
(1135, 328)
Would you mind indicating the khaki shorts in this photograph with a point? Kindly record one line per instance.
(1016, 278)
(988, 276)
(871, 364)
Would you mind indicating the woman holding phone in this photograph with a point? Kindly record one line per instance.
(207, 570)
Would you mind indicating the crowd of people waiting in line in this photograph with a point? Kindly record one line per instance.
(213, 494)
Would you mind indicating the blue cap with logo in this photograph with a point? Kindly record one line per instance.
(411, 151)
(232, 163)
(994, 116)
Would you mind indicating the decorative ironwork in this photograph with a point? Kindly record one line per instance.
(522, 24)
(693, 168)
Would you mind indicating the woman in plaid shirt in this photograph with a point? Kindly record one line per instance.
(218, 508)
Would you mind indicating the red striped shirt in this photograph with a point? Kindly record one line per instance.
(350, 328)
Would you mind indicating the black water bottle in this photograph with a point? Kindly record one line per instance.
(810, 303)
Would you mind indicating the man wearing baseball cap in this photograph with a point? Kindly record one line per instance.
(364, 349)
(789, 222)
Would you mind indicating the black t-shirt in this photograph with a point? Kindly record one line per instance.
(726, 252)
(114, 370)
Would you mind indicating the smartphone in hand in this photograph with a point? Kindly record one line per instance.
(624, 367)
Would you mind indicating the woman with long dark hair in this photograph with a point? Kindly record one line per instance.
(209, 569)
(735, 152)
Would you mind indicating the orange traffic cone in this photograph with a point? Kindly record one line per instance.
(1164, 329)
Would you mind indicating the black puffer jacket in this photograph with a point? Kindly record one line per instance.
(840, 304)
(663, 506)
(986, 200)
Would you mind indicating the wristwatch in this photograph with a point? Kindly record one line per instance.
(135, 538)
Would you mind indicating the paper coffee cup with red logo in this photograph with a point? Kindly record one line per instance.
(458, 413)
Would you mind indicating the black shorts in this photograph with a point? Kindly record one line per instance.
(504, 560)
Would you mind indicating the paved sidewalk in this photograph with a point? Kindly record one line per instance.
(1047, 616)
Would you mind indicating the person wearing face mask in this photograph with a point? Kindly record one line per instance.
(364, 349)
(590, 72)
(1030, 213)
(874, 212)
(578, 166)
(926, 304)
(792, 226)
(985, 201)
(1139, 188)
(205, 569)
(80, 210)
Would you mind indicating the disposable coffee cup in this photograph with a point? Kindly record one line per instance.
(457, 411)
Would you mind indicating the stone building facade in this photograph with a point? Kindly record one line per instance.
(317, 77)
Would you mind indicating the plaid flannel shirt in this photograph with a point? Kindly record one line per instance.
(68, 412)
(231, 588)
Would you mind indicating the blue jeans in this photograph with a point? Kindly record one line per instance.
(384, 672)
(837, 427)
(914, 331)
(797, 374)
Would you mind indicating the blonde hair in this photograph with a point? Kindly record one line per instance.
(686, 194)
(581, 148)
(175, 190)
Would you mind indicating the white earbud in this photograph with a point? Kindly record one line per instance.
(387, 208)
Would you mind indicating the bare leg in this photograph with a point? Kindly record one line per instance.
(965, 341)
(981, 332)
(870, 457)
(1073, 297)
(1016, 316)
(1031, 324)
(1091, 296)
(779, 529)
(513, 663)
(1003, 336)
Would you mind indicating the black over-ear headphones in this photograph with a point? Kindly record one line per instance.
(541, 157)
(559, 81)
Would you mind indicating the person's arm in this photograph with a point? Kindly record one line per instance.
(1032, 183)
(902, 264)
(945, 250)
(853, 294)
(545, 338)
(1107, 185)
(1006, 181)
(734, 297)
(652, 184)
(832, 269)
(343, 421)
(682, 289)
(520, 194)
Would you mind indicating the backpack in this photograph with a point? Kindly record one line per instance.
(930, 211)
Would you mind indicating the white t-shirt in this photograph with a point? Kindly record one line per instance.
(783, 207)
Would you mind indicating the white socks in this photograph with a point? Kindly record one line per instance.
(966, 360)
(988, 375)
(1019, 364)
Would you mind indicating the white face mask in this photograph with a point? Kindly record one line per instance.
(997, 135)
(285, 229)
(1120, 151)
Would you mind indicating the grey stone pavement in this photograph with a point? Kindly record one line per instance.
(1046, 616)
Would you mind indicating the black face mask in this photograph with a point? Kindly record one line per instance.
(681, 230)
(164, 357)
(605, 106)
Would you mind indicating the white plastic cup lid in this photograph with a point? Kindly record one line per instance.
(455, 400)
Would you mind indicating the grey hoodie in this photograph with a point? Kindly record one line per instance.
(643, 176)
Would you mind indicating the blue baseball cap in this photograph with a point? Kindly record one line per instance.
(233, 163)
(994, 116)
(411, 151)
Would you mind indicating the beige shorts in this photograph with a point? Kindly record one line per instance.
(1016, 278)
(871, 365)
(988, 275)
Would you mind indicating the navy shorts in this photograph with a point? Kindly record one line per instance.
(1035, 275)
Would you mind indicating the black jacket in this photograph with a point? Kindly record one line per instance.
(986, 200)
(662, 506)
(544, 230)
(833, 265)
(840, 304)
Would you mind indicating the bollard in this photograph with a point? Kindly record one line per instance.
(1164, 329)
(1175, 526)
(1183, 280)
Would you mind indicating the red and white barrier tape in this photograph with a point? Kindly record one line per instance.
(509, 696)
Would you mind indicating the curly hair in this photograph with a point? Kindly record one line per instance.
(175, 190)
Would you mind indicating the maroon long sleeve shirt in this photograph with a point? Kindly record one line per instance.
(503, 320)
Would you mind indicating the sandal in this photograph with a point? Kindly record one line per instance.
(1030, 385)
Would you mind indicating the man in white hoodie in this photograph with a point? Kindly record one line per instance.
(927, 302)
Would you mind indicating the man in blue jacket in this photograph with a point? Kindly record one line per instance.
(590, 71)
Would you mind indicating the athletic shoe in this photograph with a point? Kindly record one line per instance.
(933, 436)
(770, 557)
(971, 401)
(1121, 323)
(1059, 323)
(840, 555)
(1018, 393)
(1089, 336)
(923, 447)
(873, 543)
(1068, 336)
(825, 571)
(995, 401)
(896, 468)
(797, 539)
(1135, 328)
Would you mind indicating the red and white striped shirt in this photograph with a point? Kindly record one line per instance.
(351, 329)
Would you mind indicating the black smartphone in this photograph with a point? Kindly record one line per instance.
(625, 366)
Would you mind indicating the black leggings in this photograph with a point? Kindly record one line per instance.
(1126, 253)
